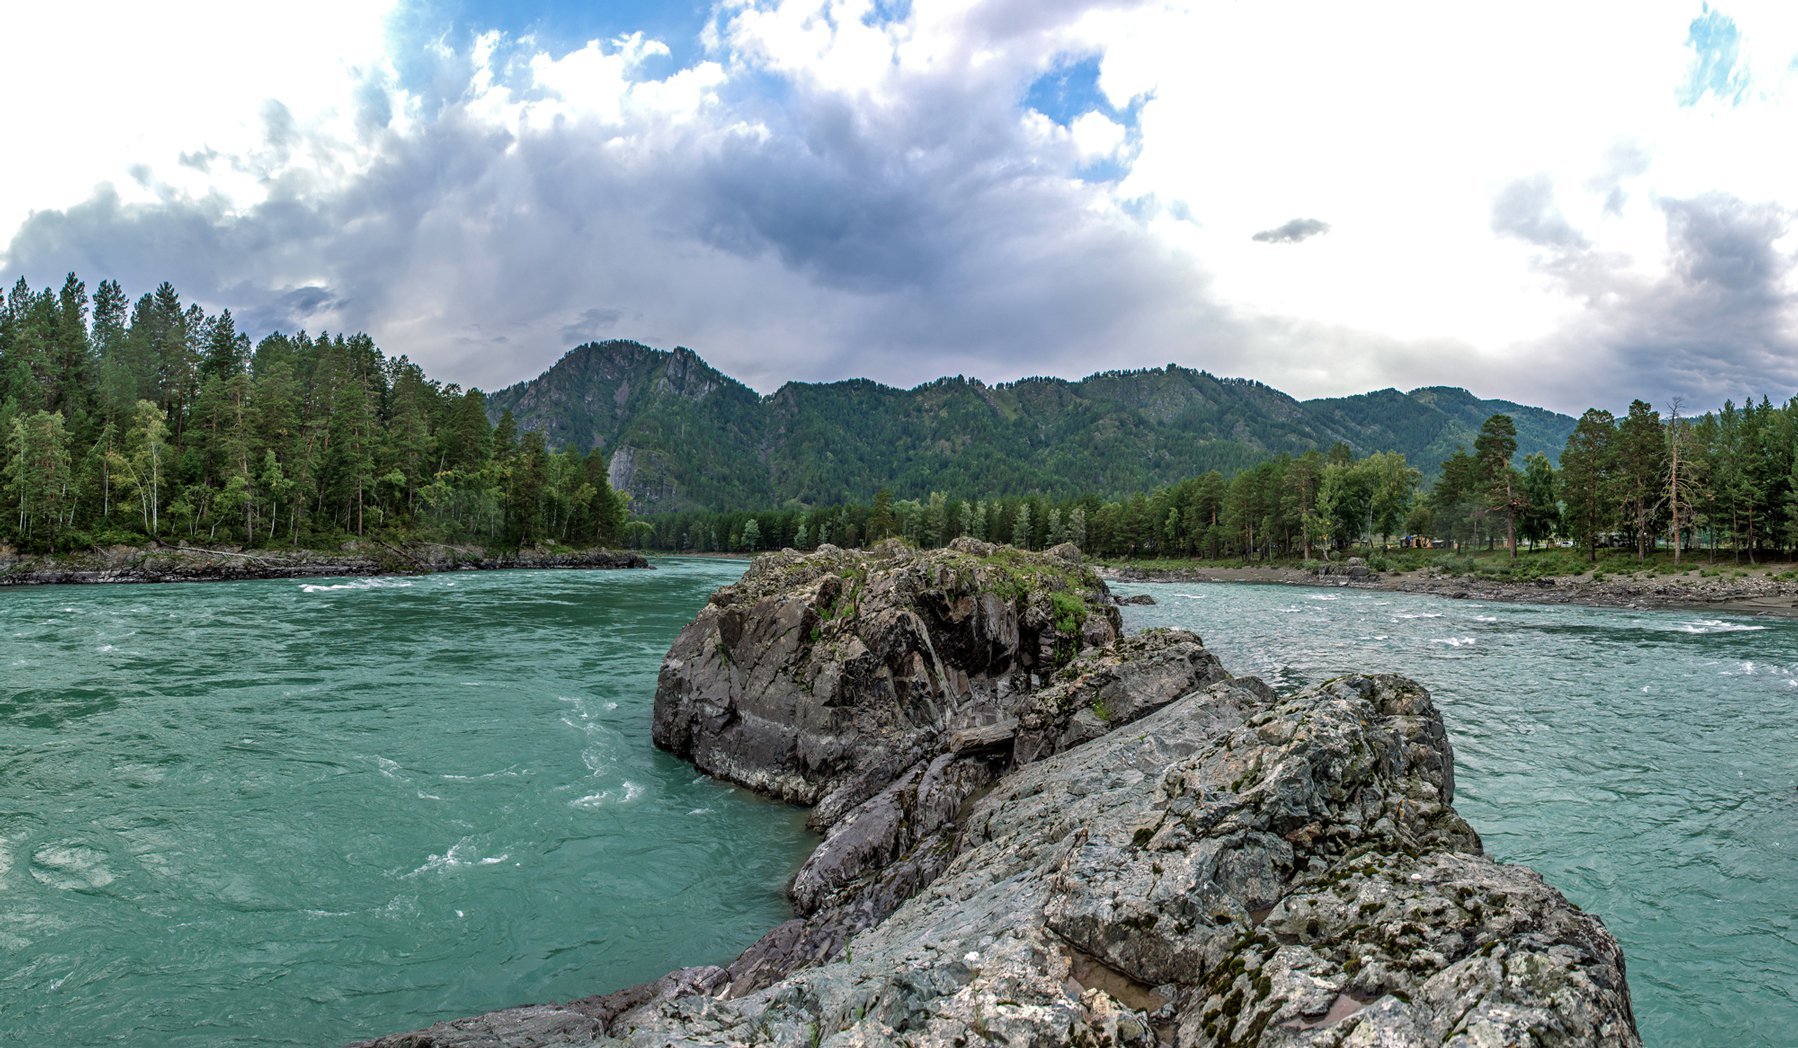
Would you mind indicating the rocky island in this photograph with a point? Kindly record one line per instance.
(1038, 831)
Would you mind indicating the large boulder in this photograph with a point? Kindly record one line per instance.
(820, 677)
(1236, 868)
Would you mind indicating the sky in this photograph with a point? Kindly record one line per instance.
(1565, 205)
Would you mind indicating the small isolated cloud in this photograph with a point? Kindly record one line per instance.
(1096, 136)
(1526, 209)
(1292, 232)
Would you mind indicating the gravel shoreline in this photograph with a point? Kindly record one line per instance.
(1755, 594)
(200, 564)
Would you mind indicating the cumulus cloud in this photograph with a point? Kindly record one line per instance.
(827, 188)
(1292, 232)
(1719, 320)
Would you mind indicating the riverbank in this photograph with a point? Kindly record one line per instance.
(183, 563)
(1759, 591)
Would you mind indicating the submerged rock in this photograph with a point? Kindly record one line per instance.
(1126, 847)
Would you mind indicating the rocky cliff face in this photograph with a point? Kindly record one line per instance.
(1073, 839)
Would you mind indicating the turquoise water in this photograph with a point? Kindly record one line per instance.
(1644, 762)
(294, 813)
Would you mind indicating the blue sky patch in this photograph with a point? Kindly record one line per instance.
(1716, 41)
(559, 26)
(1065, 92)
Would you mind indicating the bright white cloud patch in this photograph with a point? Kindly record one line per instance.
(205, 99)
(1531, 201)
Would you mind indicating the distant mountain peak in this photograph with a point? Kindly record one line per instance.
(683, 434)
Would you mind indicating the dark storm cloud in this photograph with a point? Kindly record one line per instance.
(1722, 322)
(1526, 209)
(1292, 232)
(292, 309)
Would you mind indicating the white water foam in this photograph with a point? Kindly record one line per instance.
(625, 794)
(454, 859)
(1719, 626)
(1421, 615)
(1750, 668)
(1454, 642)
(358, 584)
(509, 772)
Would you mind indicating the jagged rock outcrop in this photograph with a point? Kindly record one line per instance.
(1146, 852)
(820, 678)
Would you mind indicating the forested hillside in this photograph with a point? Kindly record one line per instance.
(681, 435)
(122, 423)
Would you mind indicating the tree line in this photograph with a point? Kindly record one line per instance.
(1725, 481)
(126, 422)
(1304, 505)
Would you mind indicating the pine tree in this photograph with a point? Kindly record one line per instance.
(1492, 449)
(1642, 473)
(1587, 468)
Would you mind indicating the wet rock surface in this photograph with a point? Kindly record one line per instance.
(1138, 850)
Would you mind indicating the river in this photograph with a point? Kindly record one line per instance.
(299, 812)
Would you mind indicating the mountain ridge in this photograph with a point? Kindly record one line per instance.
(681, 434)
